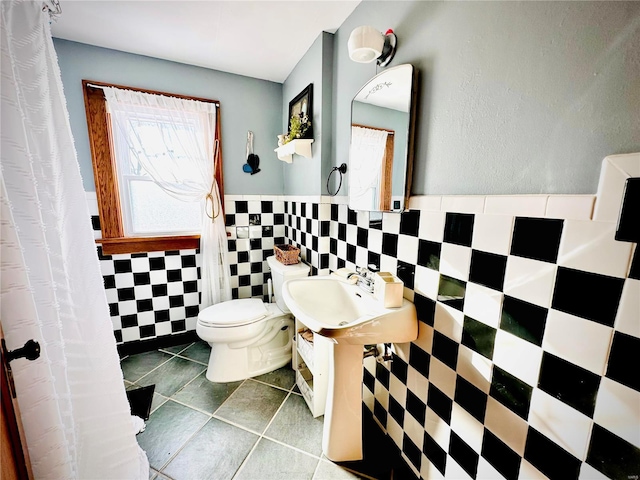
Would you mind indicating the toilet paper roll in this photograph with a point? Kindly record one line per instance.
(344, 274)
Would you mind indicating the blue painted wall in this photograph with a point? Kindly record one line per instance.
(246, 104)
(515, 97)
(304, 175)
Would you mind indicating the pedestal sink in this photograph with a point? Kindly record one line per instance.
(349, 316)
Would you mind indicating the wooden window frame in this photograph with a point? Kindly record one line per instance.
(113, 238)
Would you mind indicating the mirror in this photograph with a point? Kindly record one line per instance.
(381, 148)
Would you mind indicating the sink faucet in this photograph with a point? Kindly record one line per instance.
(365, 277)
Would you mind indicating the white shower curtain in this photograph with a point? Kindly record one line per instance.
(366, 155)
(73, 404)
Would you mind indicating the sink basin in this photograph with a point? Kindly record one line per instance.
(351, 317)
(336, 309)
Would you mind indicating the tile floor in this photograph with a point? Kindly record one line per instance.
(255, 429)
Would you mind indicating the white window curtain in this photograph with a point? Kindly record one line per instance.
(367, 152)
(179, 156)
(73, 404)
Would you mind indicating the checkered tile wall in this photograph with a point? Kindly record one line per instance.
(151, 294)
(157, 293)
(526, 361)
(525, 364)
(255, 225)
(308, 228)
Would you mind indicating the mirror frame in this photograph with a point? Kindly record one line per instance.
(411, 131)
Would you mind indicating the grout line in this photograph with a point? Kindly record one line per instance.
(153, 369)
(315, 471)
(190, 406)
(244, 460)
(261, 436)
(165, 401)
(191, 359)
(227, 399)
(177, 452)
(280, 442)
(171, 353)
(271, 385)
(276, 413)
(215, 416)
(237, 425)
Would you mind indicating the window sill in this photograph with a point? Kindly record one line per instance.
(111, 246)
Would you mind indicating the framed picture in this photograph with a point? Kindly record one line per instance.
(302, 106)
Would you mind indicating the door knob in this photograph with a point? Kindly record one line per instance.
(30, 351)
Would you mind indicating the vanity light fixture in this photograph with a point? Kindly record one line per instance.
(367, 44)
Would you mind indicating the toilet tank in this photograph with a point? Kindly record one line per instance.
(280, 273)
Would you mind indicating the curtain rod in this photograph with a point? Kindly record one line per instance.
(151, 92)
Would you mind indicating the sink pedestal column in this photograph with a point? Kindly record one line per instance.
(342, 435)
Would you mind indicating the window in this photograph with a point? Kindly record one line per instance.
(136, 215)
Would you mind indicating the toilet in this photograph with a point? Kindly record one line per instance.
(247, 336)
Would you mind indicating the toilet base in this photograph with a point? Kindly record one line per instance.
(228, 364)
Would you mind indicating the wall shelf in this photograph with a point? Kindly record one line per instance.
(299, 147)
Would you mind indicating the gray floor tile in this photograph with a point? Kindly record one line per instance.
(284, 377)
(205, 395)
(135, 366)
(271, 460)
(215, 452)
(176, 348)
(331, 471)
(152, 473)
(172, 376)
(252, 405)
(157, 401)
(199, 351)
(167, 431)
(295, 426)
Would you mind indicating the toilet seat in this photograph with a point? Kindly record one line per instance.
(234, 313)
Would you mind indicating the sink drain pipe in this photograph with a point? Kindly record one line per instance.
(383, 352)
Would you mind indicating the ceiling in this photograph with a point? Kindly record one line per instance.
(261, 39)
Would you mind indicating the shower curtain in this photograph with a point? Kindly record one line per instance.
(366, 155)
(73, 404)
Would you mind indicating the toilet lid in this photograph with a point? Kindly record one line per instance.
(233, 313)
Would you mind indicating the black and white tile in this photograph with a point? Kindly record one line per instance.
(525, 342)
(529, 325)
(151, 294)
(157, 294)
(255, 224)
(308, 227)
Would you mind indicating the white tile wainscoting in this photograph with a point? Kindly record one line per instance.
(529, 371)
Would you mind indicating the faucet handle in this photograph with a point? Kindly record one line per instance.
(372, 268)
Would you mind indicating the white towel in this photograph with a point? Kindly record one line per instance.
(138, 424)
